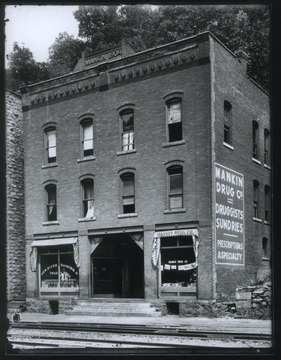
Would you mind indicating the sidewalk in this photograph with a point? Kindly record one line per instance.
(226, 324)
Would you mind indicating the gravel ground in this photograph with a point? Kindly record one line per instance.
(77, 339)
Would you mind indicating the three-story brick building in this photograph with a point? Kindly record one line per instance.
(147, 175)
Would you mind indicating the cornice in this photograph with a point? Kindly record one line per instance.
(111, 74)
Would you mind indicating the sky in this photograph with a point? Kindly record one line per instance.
(37, 27)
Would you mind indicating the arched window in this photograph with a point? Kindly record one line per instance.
(174, 119)
(50, 145)
(87, 138)
(51, 202)
(227, 129)
(266, 147)
(128, 192)
(255, 133)
(175, 187)
(265, 248)
(267, 203)
(256, 198)
(87, 198)
(127, 129)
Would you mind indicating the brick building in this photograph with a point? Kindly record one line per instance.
(147, 175)
(15, 233)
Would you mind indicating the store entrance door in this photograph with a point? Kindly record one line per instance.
(117, 268)
(108, 276)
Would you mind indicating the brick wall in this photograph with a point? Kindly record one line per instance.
(249, 102)
(15, 244)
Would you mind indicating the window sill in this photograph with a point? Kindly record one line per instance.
(87, 219)
(55, 164)
(256, 161)
(180, 210)
(265, 259)
(257, 219)
(267, 222)
(121, 216)
(48, 223)
(267, 167)
(174, 143)
(228, 146)
(126, 152)
(89, 158)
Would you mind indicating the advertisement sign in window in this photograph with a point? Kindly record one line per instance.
(229, 216)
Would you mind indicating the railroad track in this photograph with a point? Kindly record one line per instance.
(34, 335)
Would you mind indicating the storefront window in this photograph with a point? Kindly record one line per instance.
(58, 270)
(178, 269)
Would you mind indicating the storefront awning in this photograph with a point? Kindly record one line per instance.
(54, 242)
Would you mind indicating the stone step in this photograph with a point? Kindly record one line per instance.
(115, 305)
(94, 313)
(117, 310)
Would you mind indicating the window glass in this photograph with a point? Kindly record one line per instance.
(127, 118)
(88, 198)
(51, 202)
(58, 269)
(174, 121)
(176, 271)
(175, 187)
(51, 146)
(128, 195)
(227, 122)
(256, 198)
(267, 204)
(266, 147)
(265, 247)
(88, 140)
(255, 139)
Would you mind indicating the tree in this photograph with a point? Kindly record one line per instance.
(23, 69)
(238, 27)
(64, 54)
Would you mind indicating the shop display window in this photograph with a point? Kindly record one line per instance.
(58, 271)
(178, 265)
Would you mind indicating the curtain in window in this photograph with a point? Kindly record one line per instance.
(51, 144)
(33, 258)
(90, 211)
(88, 136)
(174, 113)
(128, 141)
(76, 254)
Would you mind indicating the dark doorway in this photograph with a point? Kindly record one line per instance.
(118, 269)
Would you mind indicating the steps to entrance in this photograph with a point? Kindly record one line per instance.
(113, 308)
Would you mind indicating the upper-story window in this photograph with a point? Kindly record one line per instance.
(128, 192)
(227, 128)
(267, 203)
(256, 198)
(266, 147)
(174, 119)
(50, 145)
(127, 129)
(87, 135)
(88, 198)
(175, 187)
(255, 134)
(51, 202)
(265, 248)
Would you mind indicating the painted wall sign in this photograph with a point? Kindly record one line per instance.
(103, 57)
(229, 216)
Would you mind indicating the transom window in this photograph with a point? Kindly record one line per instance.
(175, 187)
(127, 125)
(174, 120)
(51, 202)
(128, 193)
